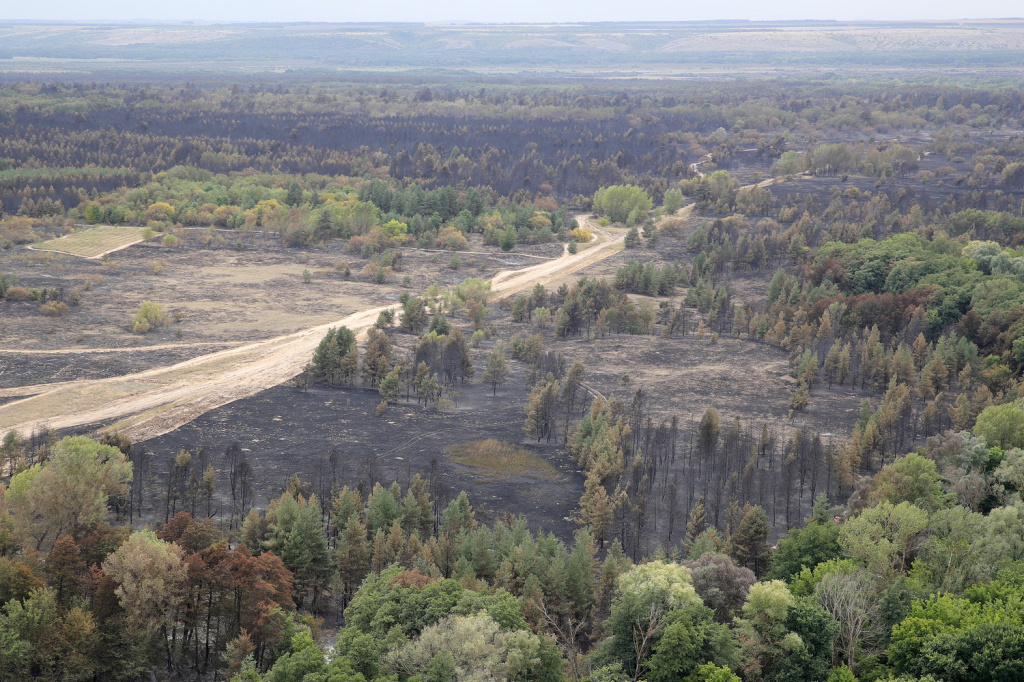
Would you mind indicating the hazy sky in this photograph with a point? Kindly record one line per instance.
(497, 11)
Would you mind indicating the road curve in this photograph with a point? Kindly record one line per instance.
(153, 402)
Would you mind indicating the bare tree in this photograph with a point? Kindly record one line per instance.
(852, 600)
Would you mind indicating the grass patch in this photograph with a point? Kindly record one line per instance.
(498, 459)
(94, 241)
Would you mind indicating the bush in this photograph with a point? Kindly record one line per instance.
(451, 239)
(170, 240)
(18, 294)
(507, 241)
(149, 316)
(581, 235)
(54, 309)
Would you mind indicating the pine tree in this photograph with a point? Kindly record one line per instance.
(831, 366)
(541, 409)
(597, 508)
(844, 363)
(697, 523)
(750, 539)
(377, 357)
(294, 194)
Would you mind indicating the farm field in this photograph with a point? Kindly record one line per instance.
(94, 242)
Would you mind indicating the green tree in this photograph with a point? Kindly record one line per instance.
(884, 537)
(805, 548)
(785, 638)
(689, 642)
(414, 315)
(1001, 425)
(647, 596)
(913, 479)
(68, 491)
(40, 641)
(467, 648)
(619, 202)
(750, 540)
(377, 357)
(150, 577)
(672, 201)
(953, 639)
(294, 195)
(507, 241)
(336, 357)
(391, 386)
(93, 213)
(295, 533)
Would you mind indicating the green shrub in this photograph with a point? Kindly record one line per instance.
(385, 319)
(149, 316)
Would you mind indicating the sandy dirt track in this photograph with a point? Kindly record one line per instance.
(150, 403)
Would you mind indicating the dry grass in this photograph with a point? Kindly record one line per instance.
(498, 459)
(93, 242)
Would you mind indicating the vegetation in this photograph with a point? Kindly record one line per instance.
(93, 242)
(502, 460)
(149, 316)
(881, 260)
(626, 204)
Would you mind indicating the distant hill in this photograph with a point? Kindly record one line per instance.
(637, 48)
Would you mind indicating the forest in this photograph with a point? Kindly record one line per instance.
(767, 394)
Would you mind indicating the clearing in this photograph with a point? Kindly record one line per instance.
(94, 242)
(152, 402)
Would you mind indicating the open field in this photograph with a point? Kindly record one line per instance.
(94, 242)
(161, 399)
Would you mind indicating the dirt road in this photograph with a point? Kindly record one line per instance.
(156, 401)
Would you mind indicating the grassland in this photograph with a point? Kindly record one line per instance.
(500, 460)
(94, 242)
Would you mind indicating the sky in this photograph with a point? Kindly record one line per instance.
(531, 11)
